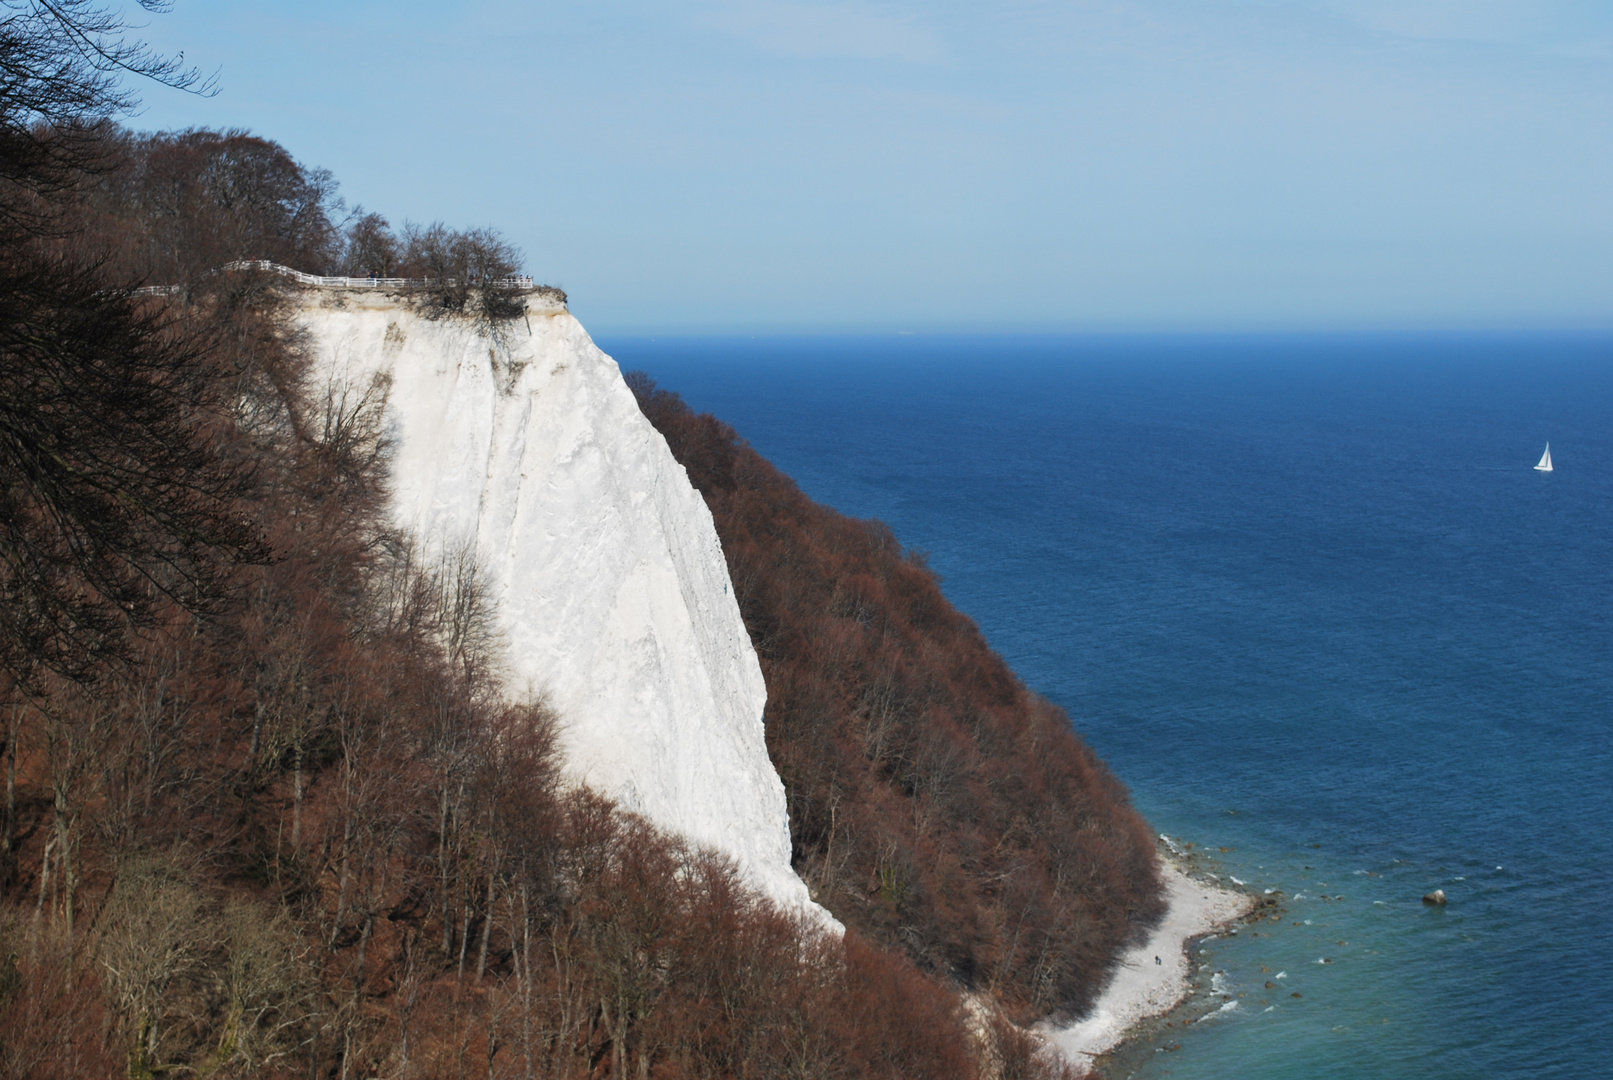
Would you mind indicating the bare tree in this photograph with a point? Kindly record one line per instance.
(271, 994)
(62, 69)
(157, 933)
(113, 496)
(372, 249)
(468, 272)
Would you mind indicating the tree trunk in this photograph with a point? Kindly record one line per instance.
(257, 736)
(487, 927)
(341, 890)
(64, 857)
(615, 1041)
(442, 873)
(526, 981)
(44, 878)
(11, 778)
(363, 949)
(464, 932)
(296, 797)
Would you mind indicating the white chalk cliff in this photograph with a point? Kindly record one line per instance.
(609, 581)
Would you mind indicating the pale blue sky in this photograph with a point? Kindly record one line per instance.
(748, 165)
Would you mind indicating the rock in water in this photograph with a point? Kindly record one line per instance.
(1435, 897)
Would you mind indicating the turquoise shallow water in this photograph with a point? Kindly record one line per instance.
(1309, 599)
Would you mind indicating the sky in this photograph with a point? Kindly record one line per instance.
(749, 166)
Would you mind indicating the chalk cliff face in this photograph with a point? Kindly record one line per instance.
(609, 580)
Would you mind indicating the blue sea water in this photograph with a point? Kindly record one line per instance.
(1310, 600)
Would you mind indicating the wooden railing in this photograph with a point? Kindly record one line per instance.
(519, 282)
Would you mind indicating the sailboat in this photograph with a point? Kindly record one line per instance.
(1545, 460)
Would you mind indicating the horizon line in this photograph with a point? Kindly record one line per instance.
(1599, 331)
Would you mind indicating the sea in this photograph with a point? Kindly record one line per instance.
(1311, 600)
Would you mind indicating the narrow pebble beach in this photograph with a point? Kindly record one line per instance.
(1153, 977)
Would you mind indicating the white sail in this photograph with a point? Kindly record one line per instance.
(1545, 460)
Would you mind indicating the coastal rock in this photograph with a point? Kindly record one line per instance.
(522, 444)
(1435, 897)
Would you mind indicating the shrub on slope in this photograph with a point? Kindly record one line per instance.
(936, 805)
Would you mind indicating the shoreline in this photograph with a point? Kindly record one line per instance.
(1142, 989)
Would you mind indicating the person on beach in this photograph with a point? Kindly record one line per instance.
(1157, 960)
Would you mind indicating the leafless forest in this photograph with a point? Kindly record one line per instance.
(269, 810)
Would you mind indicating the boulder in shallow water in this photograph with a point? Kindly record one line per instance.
(1435, 897)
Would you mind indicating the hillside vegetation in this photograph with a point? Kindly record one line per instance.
(936, 805)
(269, 808)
